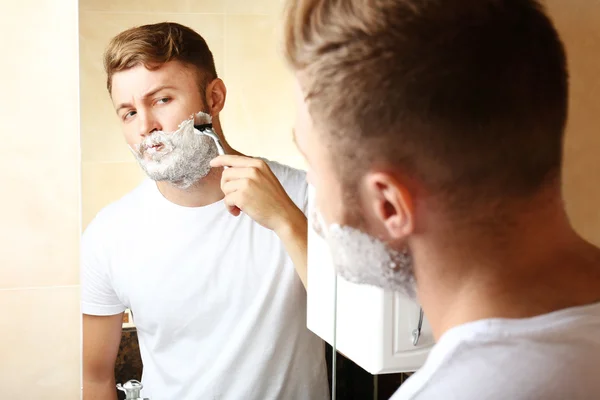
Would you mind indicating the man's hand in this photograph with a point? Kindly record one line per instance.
(249, 185)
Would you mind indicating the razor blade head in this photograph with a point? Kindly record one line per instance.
(203, 127)
(207, 130)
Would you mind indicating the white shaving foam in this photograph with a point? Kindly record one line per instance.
(202, 118)
(364, 259)
(183, 158)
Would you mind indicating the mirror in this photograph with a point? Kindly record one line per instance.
(184, 290)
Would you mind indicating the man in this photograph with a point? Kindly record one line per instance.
(197, 252)
(434, 132)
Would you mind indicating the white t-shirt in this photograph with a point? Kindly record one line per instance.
(555, 356)
(219, 309)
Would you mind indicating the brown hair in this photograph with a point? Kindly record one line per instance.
(469, 96)
(156, 44)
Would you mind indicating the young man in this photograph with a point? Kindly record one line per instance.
(199, 253)
(434, 132)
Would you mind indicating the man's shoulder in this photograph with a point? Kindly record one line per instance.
(501, 359)
(119, 212)
(286, 174)
(293, 181)
(502, 372)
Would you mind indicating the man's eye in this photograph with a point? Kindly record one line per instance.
(129, 115)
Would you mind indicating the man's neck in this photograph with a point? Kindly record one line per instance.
(202, 193)
(537, 265)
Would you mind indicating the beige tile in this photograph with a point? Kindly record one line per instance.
(578, 23)
(40, 221)
(39, 106)
(269, 7)
(104, 183)
(40, 343)
(102, 139)
(259, 112)
(154, 6)
(39, 158)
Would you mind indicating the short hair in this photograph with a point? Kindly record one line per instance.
(469, 96)
(156, 44)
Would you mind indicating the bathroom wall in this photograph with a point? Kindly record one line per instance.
(258, 114)
(40, 204)
(578, 22)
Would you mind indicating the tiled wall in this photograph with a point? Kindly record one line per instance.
(258, 113)
(40, 197)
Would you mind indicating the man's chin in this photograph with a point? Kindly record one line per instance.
(372, 279)
(157, 159)
(180, 182)
(364, 259)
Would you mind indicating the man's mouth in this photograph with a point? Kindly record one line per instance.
(155, 147)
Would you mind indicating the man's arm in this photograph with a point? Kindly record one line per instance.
(101, 339)
(294, 235)
(249, 185)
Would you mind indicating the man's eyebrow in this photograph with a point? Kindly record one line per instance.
(150, 93)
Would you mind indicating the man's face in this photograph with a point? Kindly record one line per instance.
(151, 104)
(355, 233)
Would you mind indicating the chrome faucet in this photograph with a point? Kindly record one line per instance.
(132, 390)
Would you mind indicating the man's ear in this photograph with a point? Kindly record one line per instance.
(391, 202)
(216, 92)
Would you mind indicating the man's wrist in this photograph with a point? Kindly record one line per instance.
(292, 224)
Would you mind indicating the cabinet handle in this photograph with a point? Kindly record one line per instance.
(416, 334)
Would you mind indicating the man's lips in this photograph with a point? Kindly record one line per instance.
(155, 147)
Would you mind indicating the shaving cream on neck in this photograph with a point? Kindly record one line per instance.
(361, 258)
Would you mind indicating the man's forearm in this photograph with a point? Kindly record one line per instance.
(293, 233)
(106, 390)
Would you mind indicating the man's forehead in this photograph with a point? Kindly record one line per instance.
(130, 84)
(143, 79)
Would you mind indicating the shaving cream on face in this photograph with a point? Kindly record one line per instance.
(181, 157)
(364, 259)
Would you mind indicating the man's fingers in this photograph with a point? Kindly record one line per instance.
(231, 201)
(231, 174)
(241, 185)
(234, 211)
(229, 160)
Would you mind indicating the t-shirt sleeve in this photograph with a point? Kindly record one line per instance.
(98, 296)
(302, 189)
(294, 183)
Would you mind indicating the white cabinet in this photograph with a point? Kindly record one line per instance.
(374, 327)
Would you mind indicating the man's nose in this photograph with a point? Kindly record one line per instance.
(147, 124)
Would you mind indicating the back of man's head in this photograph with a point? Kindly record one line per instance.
(156, 44)
(469, 97)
